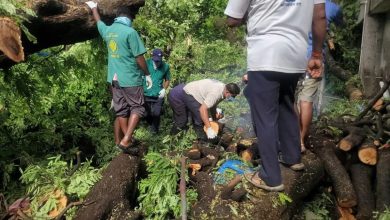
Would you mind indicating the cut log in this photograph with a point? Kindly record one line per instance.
(345, 194)
(10, 40)
(117, 186)
(65, 22)
(361, 175)
(354, 138)
(367, 153)
(345, 213)
(383, 180)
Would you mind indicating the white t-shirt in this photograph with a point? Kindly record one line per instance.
(208, 91)
(278, 31)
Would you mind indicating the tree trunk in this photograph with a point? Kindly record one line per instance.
(64, 22)
(343, 188)
(383, 180)
(261, 204)
(361, 175)
(117, 186)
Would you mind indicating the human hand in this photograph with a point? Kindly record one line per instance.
(245, 78)
(149, 81)
(211, 133)
(315, 67)
(219, 114)
(161, 93)
(91, 4)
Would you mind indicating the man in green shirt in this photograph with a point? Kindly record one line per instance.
(126, 65)
(154, 97)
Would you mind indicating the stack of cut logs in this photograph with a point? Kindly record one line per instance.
(359, 164)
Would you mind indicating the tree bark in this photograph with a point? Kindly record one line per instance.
(345, 194)
(383, 180)
(262, 204)
(61, 22)
(361, 175)
(354, 138)
(117, 186)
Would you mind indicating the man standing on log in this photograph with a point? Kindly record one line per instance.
(198, 97)
(125, 66)
(307, 86)
(277, 36)
(154, 97)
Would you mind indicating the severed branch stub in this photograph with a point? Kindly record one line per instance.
(183, 188)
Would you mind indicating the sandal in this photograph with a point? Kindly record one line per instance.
(258, 182)
(131, 148)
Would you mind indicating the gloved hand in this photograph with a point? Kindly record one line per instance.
(91, 4)
(211, 133)
(161, 94)
(149, 81)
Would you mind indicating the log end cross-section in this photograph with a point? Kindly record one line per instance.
(10, 40)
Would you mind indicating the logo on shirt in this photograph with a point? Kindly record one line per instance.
(112, 45)
(291, 3)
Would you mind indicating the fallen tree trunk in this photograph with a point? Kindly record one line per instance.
(262, 204)
(383, 180)
(361, 175)
(345, 194)
(65, 22)
(117, 186)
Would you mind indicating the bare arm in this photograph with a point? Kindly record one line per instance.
(204, 115)
(233, 22)
(166, 84)
(319, 27)
(315, 66)
(95, 14)
(142, 64)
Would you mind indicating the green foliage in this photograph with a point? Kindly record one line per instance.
(44, 180)
(193, 33)
(158, 197)
(319, 206)
(284, 198)
(385, 215)
(18, 11)
(348, 37)
(181, 141)
(343, 107)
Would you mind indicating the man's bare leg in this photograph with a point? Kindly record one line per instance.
(132, 124)
(118, 134)
(305, 117)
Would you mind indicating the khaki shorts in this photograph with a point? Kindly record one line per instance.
(307, 89)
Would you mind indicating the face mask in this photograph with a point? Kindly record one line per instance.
(123, 20)
(230, 99)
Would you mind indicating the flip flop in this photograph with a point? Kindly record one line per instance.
(131, 148)
(259, 183)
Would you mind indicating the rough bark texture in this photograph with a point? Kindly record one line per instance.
(62, 22)
(345, 194)
(354, 138)
(361, 175)
(383, 180)
(114, 194)
(262, 204)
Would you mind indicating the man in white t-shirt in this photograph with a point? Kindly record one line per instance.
(277, 38)
(197, 98)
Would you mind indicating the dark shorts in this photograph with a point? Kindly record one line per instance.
(128, 100)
